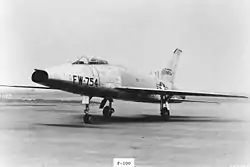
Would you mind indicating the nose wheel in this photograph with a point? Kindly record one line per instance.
(87, 117)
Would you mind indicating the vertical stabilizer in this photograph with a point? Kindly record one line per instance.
(167, 74)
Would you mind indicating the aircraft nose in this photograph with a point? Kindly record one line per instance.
(39, 76)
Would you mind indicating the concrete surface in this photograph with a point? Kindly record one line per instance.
(43, 134)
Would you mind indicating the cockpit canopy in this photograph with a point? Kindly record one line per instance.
(86, 60)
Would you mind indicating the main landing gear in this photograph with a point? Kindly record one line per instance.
(164, 107)
(107, 110)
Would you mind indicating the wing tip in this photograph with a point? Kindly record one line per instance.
(24, 86)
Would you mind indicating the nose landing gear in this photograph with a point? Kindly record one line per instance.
(87, 117)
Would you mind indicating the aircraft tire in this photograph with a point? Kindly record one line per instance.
(107, 112)
(165, 114)
(87, 119)
(112, 110)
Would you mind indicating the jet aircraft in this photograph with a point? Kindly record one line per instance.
(93, 77)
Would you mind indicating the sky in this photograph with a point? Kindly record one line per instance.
(140, 34)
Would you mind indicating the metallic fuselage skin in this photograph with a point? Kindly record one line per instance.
(99, 80)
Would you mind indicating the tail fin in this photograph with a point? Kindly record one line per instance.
(167, 74)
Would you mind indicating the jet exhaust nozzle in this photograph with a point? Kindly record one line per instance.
(39, 76)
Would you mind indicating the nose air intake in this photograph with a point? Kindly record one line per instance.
(39, 76)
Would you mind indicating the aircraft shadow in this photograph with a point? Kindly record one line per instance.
(79, 125)
(155, 118)
(100, 120)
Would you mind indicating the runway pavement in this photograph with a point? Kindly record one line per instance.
(52, 134)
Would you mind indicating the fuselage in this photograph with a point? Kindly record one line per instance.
(98, 80)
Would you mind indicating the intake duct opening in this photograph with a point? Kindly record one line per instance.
(39, 76)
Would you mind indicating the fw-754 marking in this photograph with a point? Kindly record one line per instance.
(90, 81)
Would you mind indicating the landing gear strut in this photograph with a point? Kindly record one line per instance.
(165, 114)
(164, 107)
(87, 117)
(108, 110)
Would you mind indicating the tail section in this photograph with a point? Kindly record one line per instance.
(167, 75)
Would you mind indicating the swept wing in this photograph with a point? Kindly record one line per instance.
(149, 91)
(20, 86)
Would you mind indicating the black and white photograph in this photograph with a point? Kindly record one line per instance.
(124, 83)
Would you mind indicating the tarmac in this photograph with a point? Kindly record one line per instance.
(50, 134)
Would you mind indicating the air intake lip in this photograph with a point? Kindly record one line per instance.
(39, 76)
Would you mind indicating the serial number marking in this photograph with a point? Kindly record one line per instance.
(90, 81)
(123, 162)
